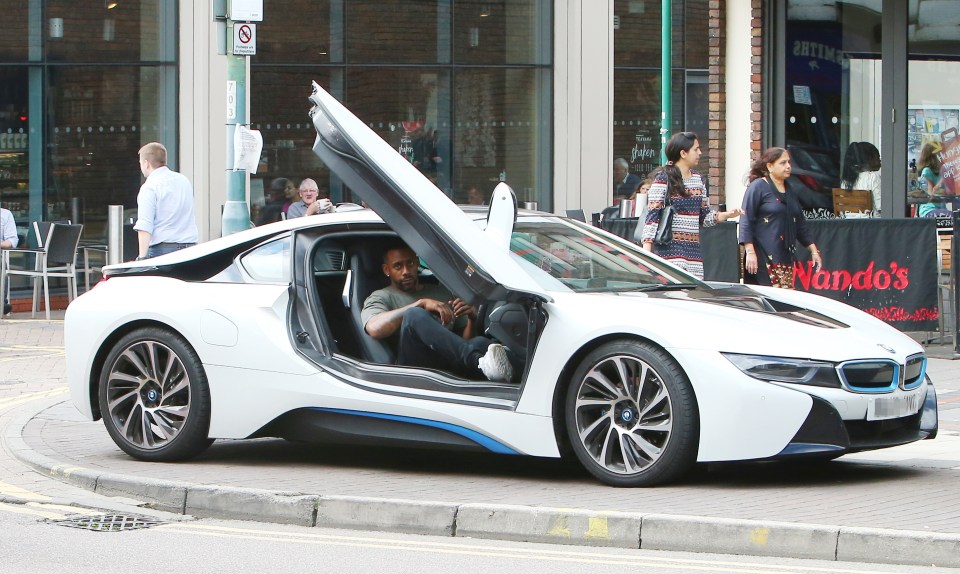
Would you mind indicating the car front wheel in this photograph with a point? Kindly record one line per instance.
(154, 396)
(631, 415)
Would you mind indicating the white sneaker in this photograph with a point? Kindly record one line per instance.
(495, 365)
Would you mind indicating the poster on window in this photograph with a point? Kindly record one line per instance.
(949, 156)
(926, 124)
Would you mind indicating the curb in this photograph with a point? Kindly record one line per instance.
(502, 522)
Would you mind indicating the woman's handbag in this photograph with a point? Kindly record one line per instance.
(665, 228)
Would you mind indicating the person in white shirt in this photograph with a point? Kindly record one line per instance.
(165, 217)
(861, 170)
(8, 240)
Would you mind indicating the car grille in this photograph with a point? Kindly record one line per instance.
(883, 375)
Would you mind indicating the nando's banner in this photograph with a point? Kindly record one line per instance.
(886, 267)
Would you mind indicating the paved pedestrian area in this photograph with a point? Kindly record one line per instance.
(914, 487)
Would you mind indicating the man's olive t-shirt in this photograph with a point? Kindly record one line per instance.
(390, 298)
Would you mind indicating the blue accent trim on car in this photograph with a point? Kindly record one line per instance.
(482, 440)
(921, 379)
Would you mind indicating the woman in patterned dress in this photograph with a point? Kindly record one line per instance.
(773, 223)
(690, 205)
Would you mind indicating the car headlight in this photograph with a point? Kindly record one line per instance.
(787, 370)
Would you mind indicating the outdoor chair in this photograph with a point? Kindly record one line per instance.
(852, 201)
(57, 258)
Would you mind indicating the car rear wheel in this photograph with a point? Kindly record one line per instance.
(631, 415)
(154, 396)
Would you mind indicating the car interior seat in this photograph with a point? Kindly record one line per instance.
(366, 276)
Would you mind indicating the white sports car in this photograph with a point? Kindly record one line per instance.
(629, 364)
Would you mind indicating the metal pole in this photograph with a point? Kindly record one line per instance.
(114, 234)
(236, 212)
(666, 61)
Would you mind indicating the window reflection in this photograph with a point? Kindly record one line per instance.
(503, 32)
(13, 44)
(395, 31)
(109, 31)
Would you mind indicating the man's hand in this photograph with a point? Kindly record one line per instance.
(460, 308)
(319, 206)
(442, 310)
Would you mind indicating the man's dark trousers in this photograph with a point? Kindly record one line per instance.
(424, 342)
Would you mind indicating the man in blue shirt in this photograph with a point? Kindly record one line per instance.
(165, 217)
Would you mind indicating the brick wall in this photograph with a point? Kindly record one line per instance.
(756, 79)
(717, 105)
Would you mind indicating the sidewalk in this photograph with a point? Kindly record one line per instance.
(898, 505)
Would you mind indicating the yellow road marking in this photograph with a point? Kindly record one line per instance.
(26, 398)
(16, 491)
(21, 509)
(53, 348)
(499, 551)
(24, 357)
(64, 508)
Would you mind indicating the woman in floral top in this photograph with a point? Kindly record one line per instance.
(690, 205)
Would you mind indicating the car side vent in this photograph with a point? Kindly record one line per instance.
(331, 260)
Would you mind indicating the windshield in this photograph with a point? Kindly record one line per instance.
(578, 257)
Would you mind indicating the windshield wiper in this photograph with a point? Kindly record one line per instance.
(628, 289)
(668, 287)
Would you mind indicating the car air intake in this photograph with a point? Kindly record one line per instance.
(913, 374)
(878, 376)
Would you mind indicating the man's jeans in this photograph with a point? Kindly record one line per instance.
(424, 342)
(164, 248)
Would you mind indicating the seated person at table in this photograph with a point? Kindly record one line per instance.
(930, 182)
(436, 330)
(8, 240)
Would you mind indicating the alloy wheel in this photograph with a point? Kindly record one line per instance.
(623, 414)
(148, 394)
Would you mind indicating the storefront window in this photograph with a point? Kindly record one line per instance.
(833, 85)
(834, 122)
(97, 120)
(15, 42)
(636, 79)
(85, 86)
(461, 88)
(102, 31)
(280, 106)
(933, 115)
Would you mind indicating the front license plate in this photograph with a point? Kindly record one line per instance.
(880, 408)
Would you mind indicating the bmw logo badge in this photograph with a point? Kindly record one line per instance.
(627, 415)
(152, 395)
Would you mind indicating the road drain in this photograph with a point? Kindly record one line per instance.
(108, 522)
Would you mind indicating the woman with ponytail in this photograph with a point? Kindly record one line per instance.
(684, 187)
(773, 223)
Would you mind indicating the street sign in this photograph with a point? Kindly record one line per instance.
(244, 39)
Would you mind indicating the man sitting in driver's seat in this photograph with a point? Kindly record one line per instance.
(436, 330)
